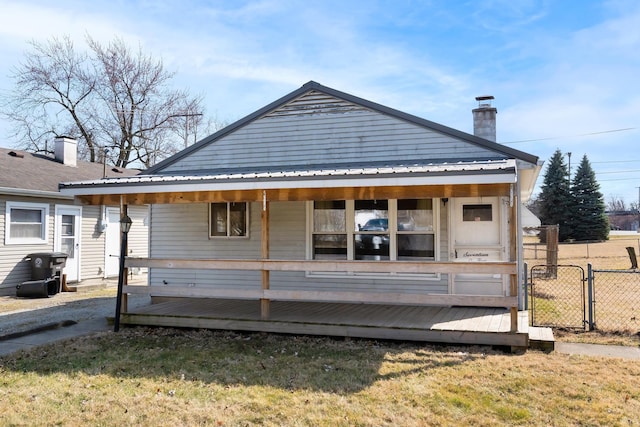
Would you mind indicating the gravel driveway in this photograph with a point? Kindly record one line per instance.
(19, 315)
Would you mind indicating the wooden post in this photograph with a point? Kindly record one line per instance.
(124, 211)
(264, 216)
(514, 229)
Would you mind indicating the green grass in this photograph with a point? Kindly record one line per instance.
(146, 376)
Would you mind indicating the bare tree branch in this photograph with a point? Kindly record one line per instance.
(111, 97)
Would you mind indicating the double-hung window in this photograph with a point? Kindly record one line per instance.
(394, 230)
(228, 220)
(26, 223)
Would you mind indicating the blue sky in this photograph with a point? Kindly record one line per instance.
(565, 73)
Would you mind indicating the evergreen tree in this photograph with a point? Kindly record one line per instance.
(588, 218)
(555, 197)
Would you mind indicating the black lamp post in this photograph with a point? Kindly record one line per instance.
(125, 226)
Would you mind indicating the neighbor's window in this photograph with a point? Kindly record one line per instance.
(477, 213)
(26, 223)
(228, 220)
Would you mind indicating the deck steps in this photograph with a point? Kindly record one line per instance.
(541, 338)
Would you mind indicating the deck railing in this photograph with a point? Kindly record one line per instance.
(265, 294)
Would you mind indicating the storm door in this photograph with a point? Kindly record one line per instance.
(478, 234)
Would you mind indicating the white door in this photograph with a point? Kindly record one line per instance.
(67, 238)
(112, 243)
(478, 234)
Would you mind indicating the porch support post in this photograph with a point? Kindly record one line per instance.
(514, 229)
(264, 216)
(121, 298)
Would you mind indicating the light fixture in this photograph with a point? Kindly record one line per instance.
(125, 224)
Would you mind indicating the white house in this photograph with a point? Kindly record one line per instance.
(36, 218)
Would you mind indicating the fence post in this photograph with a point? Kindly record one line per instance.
(525, 277)
(590, 296)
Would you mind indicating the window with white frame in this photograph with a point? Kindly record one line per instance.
(26, 223)
(228, 220)
(396, 230)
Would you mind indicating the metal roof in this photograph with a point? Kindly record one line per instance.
(151, 182)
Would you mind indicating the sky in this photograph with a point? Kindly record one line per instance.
(565, 74)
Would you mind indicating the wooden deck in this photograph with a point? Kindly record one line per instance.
(457, 325)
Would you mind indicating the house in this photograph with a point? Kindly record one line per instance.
(36, 218)
(327, 213)
(623, 220)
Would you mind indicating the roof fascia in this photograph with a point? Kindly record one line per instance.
(33, 193)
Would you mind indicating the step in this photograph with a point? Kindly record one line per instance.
(541, 338)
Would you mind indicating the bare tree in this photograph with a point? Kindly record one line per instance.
(117, 102)
(616, 204)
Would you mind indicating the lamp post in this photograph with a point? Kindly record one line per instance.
(125, 226)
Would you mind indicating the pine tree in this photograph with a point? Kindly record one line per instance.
(555, 197)
(588, 218)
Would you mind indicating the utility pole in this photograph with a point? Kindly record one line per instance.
(569, 156)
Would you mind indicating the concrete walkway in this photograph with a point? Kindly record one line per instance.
(598, 350)
(51, 333)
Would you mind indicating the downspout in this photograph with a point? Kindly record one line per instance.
(519, 244)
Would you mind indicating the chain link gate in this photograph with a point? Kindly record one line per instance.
(558, 296)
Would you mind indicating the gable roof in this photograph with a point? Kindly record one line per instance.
(26, 173)
(313, 86)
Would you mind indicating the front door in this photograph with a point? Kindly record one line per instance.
(112, 243)
(67, 238)
(478, 234)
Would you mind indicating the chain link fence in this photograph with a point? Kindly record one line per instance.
(557, 296)
(563, 296)
(616, 301)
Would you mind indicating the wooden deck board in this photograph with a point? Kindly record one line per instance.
(438, 324)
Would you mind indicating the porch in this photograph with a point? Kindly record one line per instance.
(452, 325)
(441, 318)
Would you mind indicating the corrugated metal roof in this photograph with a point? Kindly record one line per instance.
(495, 166)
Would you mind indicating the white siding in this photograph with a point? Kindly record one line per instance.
(288, 236)
(14, 269)
(330, 134)
(92, 244)
(92, 261)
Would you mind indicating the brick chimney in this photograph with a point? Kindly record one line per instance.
(484, 118)
(66, 150)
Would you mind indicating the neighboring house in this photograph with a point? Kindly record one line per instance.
(322, 196)
(36, 218)
(624, 220)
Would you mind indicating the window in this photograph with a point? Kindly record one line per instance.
(396, 230)
(329, 230)
(26, 223)
(477, 213)
(228, 220)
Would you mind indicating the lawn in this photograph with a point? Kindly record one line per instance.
(145, 376)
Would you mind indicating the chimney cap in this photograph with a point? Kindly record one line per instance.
(484, 97)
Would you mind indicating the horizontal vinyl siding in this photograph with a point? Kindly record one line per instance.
(92, 246)
(138, 239)
(341, 138)
(14, 269)
(92, 261)
(287, 228)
